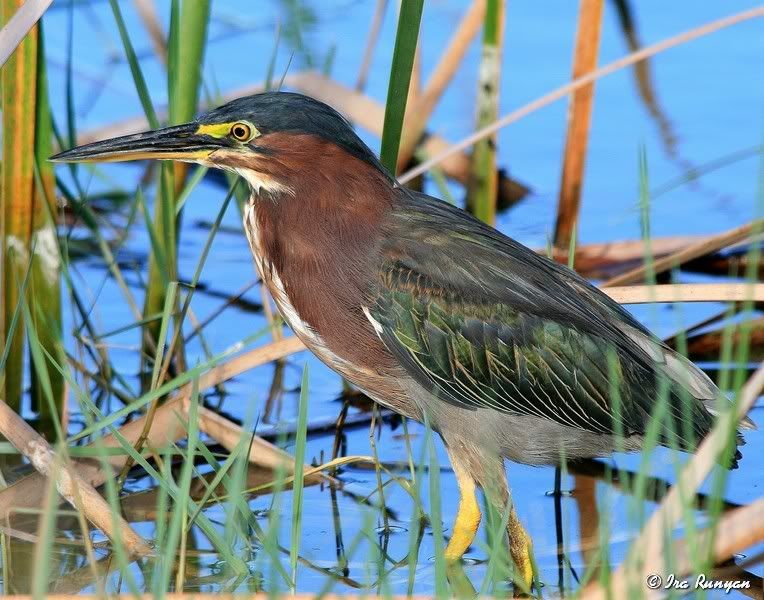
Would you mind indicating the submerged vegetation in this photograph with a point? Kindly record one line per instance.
(189, 456)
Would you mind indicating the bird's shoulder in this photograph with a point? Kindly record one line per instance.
(451, 254)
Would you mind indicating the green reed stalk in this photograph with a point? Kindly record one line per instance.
(483, 182)
(19, 82)
(45, 285)
(26, 231)
(186, 44)
(400, 79)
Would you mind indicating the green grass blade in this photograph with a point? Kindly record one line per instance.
(436, 522)
(157, 248)
(189, 187)
(272, 61)
(44, 547)
(170, 548)
(175, 493)
(400, 79)
(135, 68)
(14, 324)
(172, 291)
(41, 359)
(162, 390)
(299, 477)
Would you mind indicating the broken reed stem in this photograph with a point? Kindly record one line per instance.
(592, 260)
(691, 252)
(419, 113)
(566, 89)
(69, 483)
(646, 554)
(579, 119)
(741, 529)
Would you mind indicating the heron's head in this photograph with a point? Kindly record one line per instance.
(271, 139)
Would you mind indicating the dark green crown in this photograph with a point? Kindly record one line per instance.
(294, 113)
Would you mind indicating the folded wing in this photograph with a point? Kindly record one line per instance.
(483, 322)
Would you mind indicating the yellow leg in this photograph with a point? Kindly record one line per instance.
(520, 548)
(473, 465)
(467, 518)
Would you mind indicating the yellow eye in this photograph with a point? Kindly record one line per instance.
(241, 132)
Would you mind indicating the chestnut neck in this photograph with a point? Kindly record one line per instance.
(323, 239)
(330, 212)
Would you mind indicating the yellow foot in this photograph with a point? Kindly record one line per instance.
(520, 548)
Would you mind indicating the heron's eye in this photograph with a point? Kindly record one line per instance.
(241, 132)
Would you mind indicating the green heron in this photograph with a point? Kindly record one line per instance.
(432, 313)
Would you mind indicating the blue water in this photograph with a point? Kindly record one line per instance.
(710, 90)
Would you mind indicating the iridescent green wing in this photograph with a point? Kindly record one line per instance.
(483, 322)
(497, 357)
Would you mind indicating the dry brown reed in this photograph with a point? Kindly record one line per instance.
(371, 43)
(69, 482)
(700, 248)
(166, 427)
(579, 119)
(600, 260)
(147, 11)
(687, 292)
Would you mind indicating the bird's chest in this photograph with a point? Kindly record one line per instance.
(289, 311)
(272, 280)
(338, 333)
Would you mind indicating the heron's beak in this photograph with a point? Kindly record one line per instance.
(180, 142)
